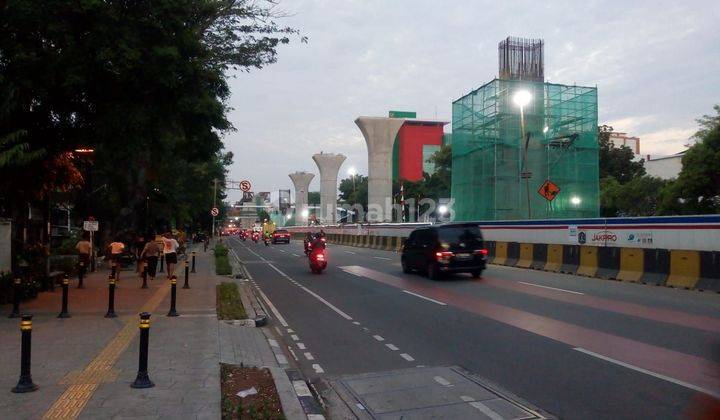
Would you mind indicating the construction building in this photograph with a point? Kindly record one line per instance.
(524, 148)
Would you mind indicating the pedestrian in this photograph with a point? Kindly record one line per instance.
(116, 249)
(138, 247)
(170, 246)
(83, 249)
(150, 254)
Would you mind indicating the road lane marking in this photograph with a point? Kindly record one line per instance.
(649, 372)
(273, 308)
(407, 357)
(313, 294)
(278, 330)
(486, 410)
(273, 343)
(360, 406)
(356, 323)
(382, 258)
(317, 368)
(466, 398)
(295, 255)
(281, 359)
(309, 355)
(350, 252)
(378, 338)
(392, 347)
(301, 346)
(553, 288)
(301, 389)
(425, 297)
(442, 381)
(290, 330)
(282, 250)
(293, 353)
(295, 337)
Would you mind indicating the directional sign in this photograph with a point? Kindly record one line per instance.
(245, 185)
(90, 225)
(549, 190)
(214, 212)
(248, 196)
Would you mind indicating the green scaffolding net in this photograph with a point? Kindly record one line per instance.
(506, 162)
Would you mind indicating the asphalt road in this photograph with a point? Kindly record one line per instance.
(575, 347)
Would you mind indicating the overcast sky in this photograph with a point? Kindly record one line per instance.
(656, 65)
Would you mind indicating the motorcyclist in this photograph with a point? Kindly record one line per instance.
(309, 237)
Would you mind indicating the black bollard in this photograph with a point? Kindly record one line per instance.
(187, 275)
(144, 277)
(173, 296)
(113, 270)
(162, 260)
(16, 299)
(193, 262)
(81, 275)
(25, 384)
(143, 380)
(111, 298)
(65, 286)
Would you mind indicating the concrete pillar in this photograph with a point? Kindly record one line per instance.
(301, 181)
(329, 165)
(379, 135)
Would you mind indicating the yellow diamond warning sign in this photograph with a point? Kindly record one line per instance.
(549, 190)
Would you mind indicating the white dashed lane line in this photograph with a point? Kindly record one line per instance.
(295, 337)
(553, 288)
(382, 258)
(301, 346)
(407, 357)
(350, 252)
(378, 338)
(392, 347)
(317, 368)
(309, 356)
(442, 381)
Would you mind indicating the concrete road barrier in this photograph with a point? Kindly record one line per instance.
(539, 256)
(501, 253)
(526, 256)
(608, 262)
(554, 258)
(632, 263)
(684, 268)
(588, 261)
(656, 266)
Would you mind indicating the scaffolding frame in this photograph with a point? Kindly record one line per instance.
(489, 152)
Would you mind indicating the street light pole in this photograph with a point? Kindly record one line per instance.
(215, 183)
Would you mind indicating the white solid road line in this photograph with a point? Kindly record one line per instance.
(553, 288)
(378, 338)
(425, 297)
(382, 258)
(273, 308)
(392, 347)
(649, 372)
(407, 357)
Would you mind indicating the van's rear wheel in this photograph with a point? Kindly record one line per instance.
(476, 274)
(433, 271)
(405, 268)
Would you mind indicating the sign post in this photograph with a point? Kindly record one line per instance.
(91, 226)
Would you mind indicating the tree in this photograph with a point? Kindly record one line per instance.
(314, 198)
(354, 192)
(617, 162)
(141, 83)
(697, 188)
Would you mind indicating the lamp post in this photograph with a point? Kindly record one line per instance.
(522, 98)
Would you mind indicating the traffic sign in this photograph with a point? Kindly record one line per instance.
(549, 190)
(90, 225)
(214, 212)
(245, 185)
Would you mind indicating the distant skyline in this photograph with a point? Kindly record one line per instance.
(656, 66)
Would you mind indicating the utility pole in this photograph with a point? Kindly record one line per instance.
(215, 184)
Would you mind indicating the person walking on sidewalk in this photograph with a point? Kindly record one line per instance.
(83, 249)
(150, 254)
(116, 249)
(170, 246)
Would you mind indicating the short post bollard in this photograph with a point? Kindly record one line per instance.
(113, 270)
(25, 384)
(111, 298)
(162, 260)
(187, 275)
(143, 380)
(81, 275)
(65, 286)
(16, 299)
(144, 277)
(193, 262)
(173, 296)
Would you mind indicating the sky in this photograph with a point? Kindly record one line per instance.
(656, 65)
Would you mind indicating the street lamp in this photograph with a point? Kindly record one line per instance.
(352, 172)
(305, 213)
(521, 98)
(575, 200)
(443, 210)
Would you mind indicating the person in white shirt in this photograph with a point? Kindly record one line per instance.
(170, 246)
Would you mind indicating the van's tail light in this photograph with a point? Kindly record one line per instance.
(443, 255)
(482, 252)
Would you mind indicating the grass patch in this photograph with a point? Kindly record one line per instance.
(263, 405)
(222, 263)
(229, 305)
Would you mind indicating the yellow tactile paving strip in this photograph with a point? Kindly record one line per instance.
(83, 384)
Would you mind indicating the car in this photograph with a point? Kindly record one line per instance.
(281, 235)
(445, 248)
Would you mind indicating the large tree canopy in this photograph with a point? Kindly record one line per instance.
(142, 83)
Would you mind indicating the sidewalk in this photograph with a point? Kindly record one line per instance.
(84, 365)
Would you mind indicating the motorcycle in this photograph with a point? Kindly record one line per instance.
(266, 239)
(255, 237)
(317, 255)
